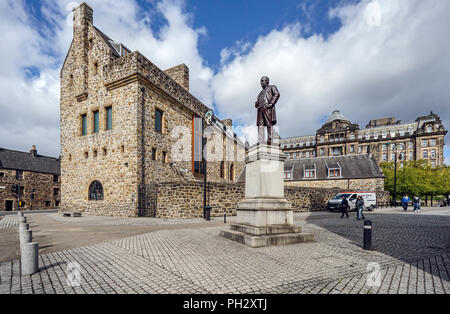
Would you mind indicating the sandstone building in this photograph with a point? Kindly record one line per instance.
(38, 176)
(127, 125)
(421, 139)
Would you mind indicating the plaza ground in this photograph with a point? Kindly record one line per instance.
(148, 255)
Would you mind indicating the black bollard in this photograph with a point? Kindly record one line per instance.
(367, 235)
(224, 217)
(208, 213)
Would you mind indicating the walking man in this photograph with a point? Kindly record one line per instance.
(344, 206)
(405, 202)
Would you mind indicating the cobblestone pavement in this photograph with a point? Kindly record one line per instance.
(9, 221)
(412, 252)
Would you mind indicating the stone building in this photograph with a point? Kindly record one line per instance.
(38, 176)
(421, 139)
(357, 172)
(126, 124)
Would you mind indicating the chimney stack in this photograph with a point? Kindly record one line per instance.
(179, 74)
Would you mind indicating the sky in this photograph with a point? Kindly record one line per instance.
(368, 59)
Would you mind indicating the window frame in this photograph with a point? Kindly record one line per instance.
(160, 112)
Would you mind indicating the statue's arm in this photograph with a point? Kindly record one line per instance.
(276, 95)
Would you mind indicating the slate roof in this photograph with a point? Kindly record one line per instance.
(353, 167)
(15, 160)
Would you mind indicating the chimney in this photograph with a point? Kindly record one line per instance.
(82, 19)
(179, 74)
(228, 122)
(33, 151)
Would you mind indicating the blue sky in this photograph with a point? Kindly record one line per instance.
(369, 59)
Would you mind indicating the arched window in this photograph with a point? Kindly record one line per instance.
(96, 191)
(232, 172)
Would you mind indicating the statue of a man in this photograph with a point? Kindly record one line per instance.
(267, 116)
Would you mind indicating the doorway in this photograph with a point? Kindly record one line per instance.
(9, 205)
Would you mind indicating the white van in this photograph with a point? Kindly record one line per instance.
(370, 200)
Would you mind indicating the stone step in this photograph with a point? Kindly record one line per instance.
(273, 229)
(267, 240)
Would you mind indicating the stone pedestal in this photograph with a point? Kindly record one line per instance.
(265, 217)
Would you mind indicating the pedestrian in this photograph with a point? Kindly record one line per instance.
(405, 201)
(416, 204)
(344, 206)
(448, 200)
(359, 208)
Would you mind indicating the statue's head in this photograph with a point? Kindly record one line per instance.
(264, 81)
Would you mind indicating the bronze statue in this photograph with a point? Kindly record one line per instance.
(267, 116)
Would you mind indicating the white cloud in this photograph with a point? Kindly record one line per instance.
(389, 58)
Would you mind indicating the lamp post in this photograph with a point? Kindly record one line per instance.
(398, 148)
(207, 120)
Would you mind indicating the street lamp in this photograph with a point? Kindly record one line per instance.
(397, 149)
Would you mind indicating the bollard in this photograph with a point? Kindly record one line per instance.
(367, 235)
(25, 237)
(30, 258)
(19, 214)
(23, 227)
(22, 220)
(224, 217)
(208, 213)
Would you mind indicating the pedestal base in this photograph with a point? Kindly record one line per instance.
(266, 236)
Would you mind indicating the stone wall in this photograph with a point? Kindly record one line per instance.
(41, 185)
(371, 184)
(185, 199)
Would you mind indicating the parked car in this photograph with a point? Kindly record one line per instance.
(370, 200)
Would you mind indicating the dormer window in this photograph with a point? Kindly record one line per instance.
(334, 170)
(309, 171)
(402, 132)
(429, 129)
(288, 173)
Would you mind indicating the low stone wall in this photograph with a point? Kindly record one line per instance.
(185, 199)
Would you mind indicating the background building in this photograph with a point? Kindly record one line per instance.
(126, 124)
(38, 176)
(422, 139)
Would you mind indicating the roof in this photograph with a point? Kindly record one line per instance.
(114, 46)
(353, 167)
(15, 160)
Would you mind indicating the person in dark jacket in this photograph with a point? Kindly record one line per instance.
(344, 206)
(360, 208)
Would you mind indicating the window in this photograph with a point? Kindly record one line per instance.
(95, 69)
(55, 192)
(433, 164)
(57, 203)
(2, 174)
(307, 154)
(375, 135)
(158, 120)
(410, 155)
(232, 172)
(154, 157)
(122, 149)
(322, 151)
(392, 133)
(384, 134)
(425, 154)
(432, 142)
(109, 118)
(367, 136)
(359, 149)
(410, 131)
(393, 157)
(352, 148)
(352, 136)
(360, 136)
(384, 147)
(96, 116)
(402, 132)
(301, 155)
(310, 174)
(84, 124)
(48, 204)
(322, 140)
(19, 175)
(95, 153)
(307, 143)
(86, 155)
(70, 79)
(55, 178)
(222, 170)
(334, 173)
(197, 145)
(288, 175)
(429, 129)
(164, 157)
(105, 151)
(295, 155)
(424, 143)
(384, 158)
(411, 145)
(433, 154)
(96, 191)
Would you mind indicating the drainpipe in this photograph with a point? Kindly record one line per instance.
(142, 191)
